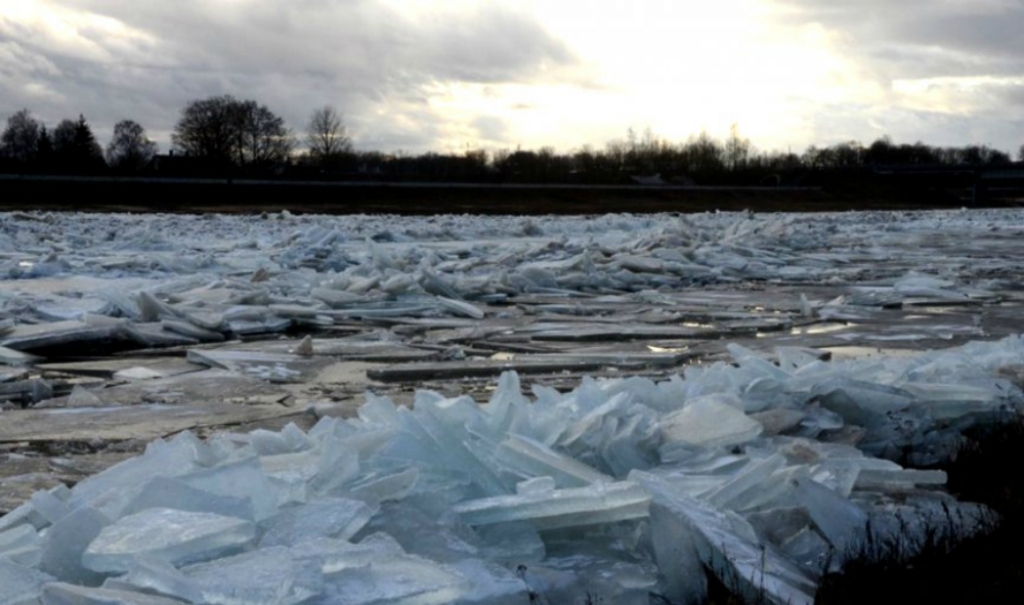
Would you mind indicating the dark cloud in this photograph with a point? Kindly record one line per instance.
(924, 38)
(146, 60)
(966, 56)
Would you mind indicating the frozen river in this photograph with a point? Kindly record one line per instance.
(761, 386)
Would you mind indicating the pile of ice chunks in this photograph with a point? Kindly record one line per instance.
(476, 257)
(767, 475)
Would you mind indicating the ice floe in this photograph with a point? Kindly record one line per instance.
(454, 501)
(767, 464)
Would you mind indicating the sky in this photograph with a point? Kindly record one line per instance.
(452, 75)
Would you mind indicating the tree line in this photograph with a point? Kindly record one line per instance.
(222, 135)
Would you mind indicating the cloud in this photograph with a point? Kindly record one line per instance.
(943, 72)
(373, 60)
(492, 129)
(923, 38)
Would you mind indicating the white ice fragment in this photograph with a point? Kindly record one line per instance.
(806, 310)
(395, 579)
(21, 544)
(859, 402)
(51, 507)
(459, 307)
(333, 556)
(691, 537)
(59, 593)
(269, 576)
(167, 492)
(158, 577)
(885, 479)
(375, 489)
(491, 584)
(426, 533)
(336, 298)
(66, 541)
(537, 485)
(778, 420)
(730, 494)
(82, 397)
(20, 585)
(189, 329)
(840, 521)
(137, 373)
(532, 458)
(151, 309)
(400, 283)
(241, 479)
(338, 518)
(597, 504)
(435, 285)
(305, 347)
(709, 421)
(166, 534)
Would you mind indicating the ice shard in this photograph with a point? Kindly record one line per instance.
(338, 518)
(59, 593)
(709, 421)
(725, 544)
(552, 509)
(19, 584)
(166, 534)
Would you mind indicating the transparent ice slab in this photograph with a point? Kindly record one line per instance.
(19, 584)
(167, 492)
(397, 578)
(170, 535)
(269, 576)
(709, 421)
(689, 536)
(338, 518)
(59, 593)
(66, 541)
(595, 504)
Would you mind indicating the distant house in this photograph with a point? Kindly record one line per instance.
(172, 164)
(678, 180)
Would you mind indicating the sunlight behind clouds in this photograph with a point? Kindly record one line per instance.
(675, 67)
(447, 75)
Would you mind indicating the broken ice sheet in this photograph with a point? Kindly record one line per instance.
(395, 578)
(69, 594)
(269, 576)
(690, 536)
(596, 504)
(20, 585)
(710, 421)
(338, 518)
(273, 367)
(175, 536)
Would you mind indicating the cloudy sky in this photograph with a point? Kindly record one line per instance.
(446, 75)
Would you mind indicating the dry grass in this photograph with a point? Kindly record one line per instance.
(986, 568)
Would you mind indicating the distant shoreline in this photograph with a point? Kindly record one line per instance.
(113, 194)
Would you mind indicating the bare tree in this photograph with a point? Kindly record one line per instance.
(20, 140)
(129, 149)
(327, 136)
(225, 130)
(737, 149)
(263, 137)
(207, 129)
